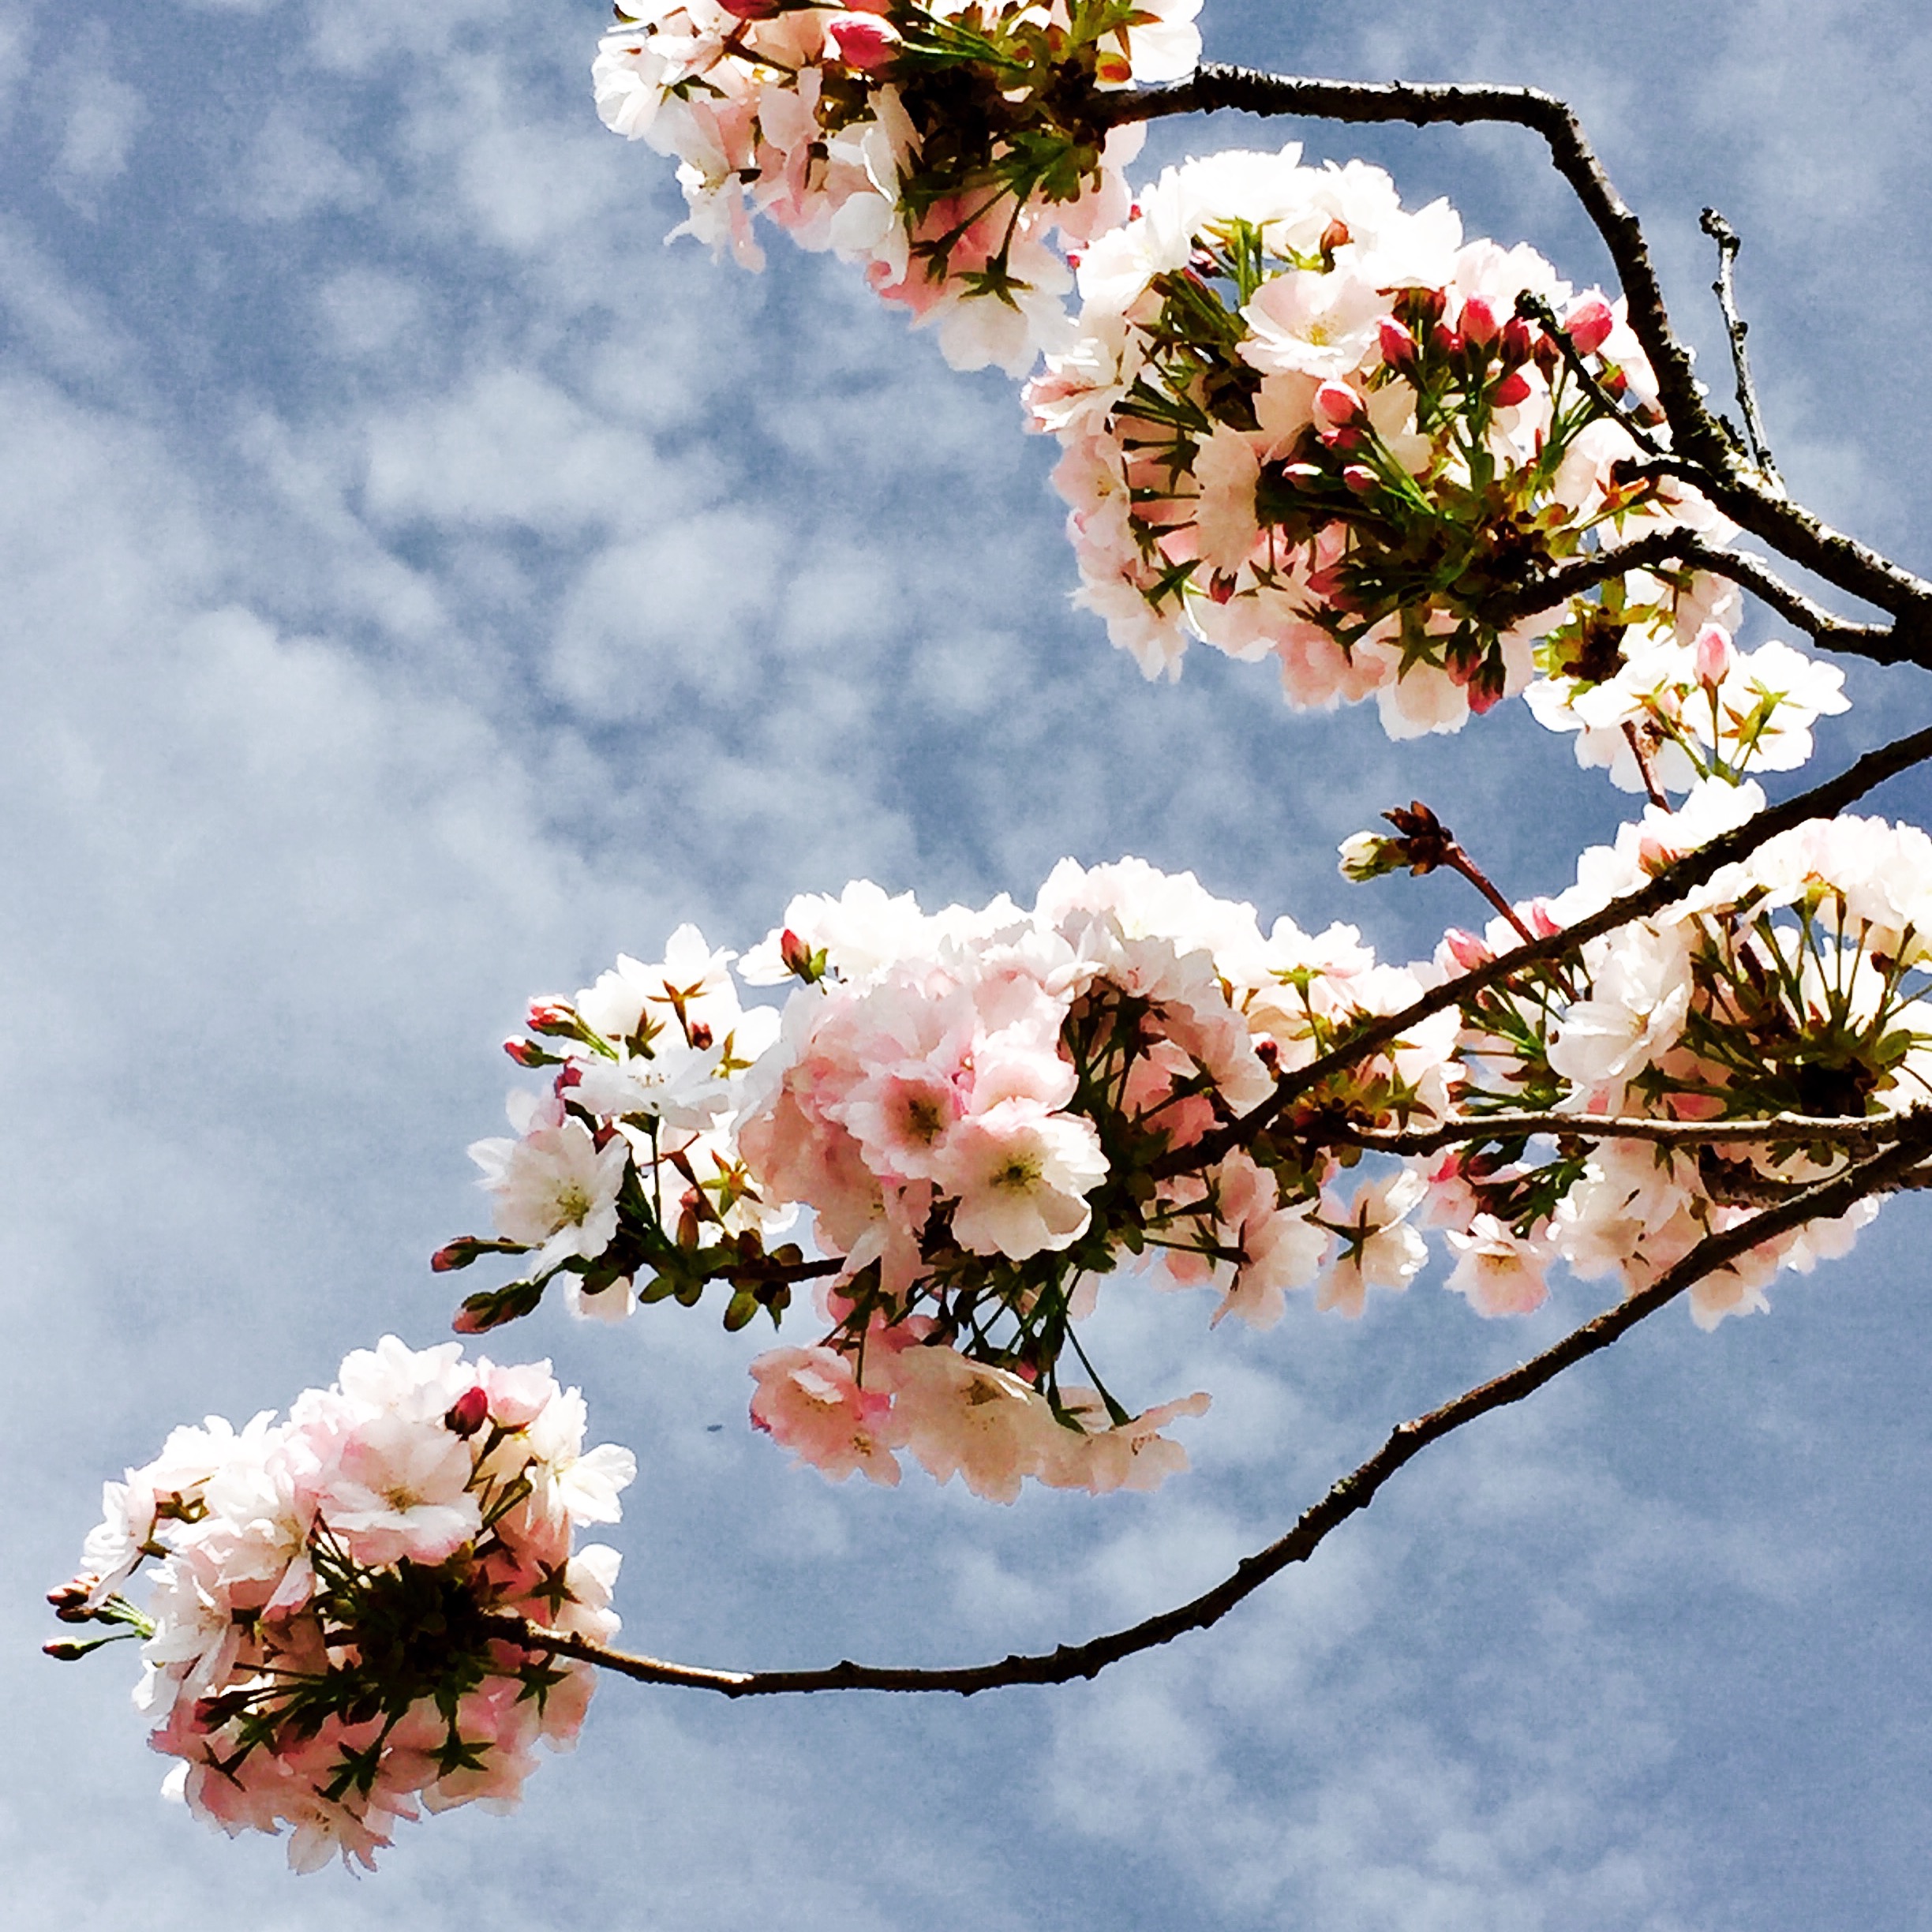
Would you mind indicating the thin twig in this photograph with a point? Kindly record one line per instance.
(1532, 307)
(1861, 1133)
(1723, 288)
(1822, 801)
(1652, 791)
(1348, 1497)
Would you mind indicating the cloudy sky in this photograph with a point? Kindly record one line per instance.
(420, 583)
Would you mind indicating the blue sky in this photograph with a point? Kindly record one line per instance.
(420, 583)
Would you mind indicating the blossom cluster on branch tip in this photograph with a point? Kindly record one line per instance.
(944, 145)
(1791, 983)
(1301, 422)
(321, 1644)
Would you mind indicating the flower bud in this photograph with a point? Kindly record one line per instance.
(864, 41)
(1716, 655)
(1540, 919)
(1398, 346)
(797, 955)
(1337, 403)
(1481, 323)
(752, 10)
(457, 1254)
(551, 1015)
(1335, 236)
(1466, 950)
(526, 1053)
(468, 1413)
(1516, 345)
(1588, 324)
(1369, 855)
(1361, 479)
(1445, 341)
(1514, 388)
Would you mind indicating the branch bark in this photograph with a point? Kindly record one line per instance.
(1347, 1498)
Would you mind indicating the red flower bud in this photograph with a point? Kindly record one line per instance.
(1398, 346)
(468, 1413)
(796, 953)
(1361, 479)
(864, 43)
(524, 1053)
(1337, 403)
(1481, 323)
(1335, 236)
(1588, 324)
(1514, 388)
(1445, 341)
(1517, 343)
(551, 1015)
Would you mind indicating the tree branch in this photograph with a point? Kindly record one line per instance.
(1736, 328)
(1861, 1132)
(1704, 455)
(1822, 801)
(1348, 1497)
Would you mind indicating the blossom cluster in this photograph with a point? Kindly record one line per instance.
(1302, 422)
(946, 146)
(628, 1166)
(324, 1644)
(1663, 711)
(985, 1111)
(1790, 985)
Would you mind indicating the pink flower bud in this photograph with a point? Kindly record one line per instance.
(1335, 236)
(1445, 341)
(1517, 345)
(1539, 918)
(796, 953)
(551, 1015)
(524, 1053)
(865, 43)
(1398, 346)
(1715, 656)
(1361, 479)
(1514, 388)
(468, 1413)
(1466, 950)
(1337, 403)
(1588, 324)
(1481, 322)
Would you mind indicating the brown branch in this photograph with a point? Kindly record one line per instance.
(1863, 1133)
(1348, 1497)
(1822, 801)
(1736, 328)
(1705, 455)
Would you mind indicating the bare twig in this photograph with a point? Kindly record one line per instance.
(1348, 1497)
(1652, 791)
(1723, 288)
(1822, 801)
